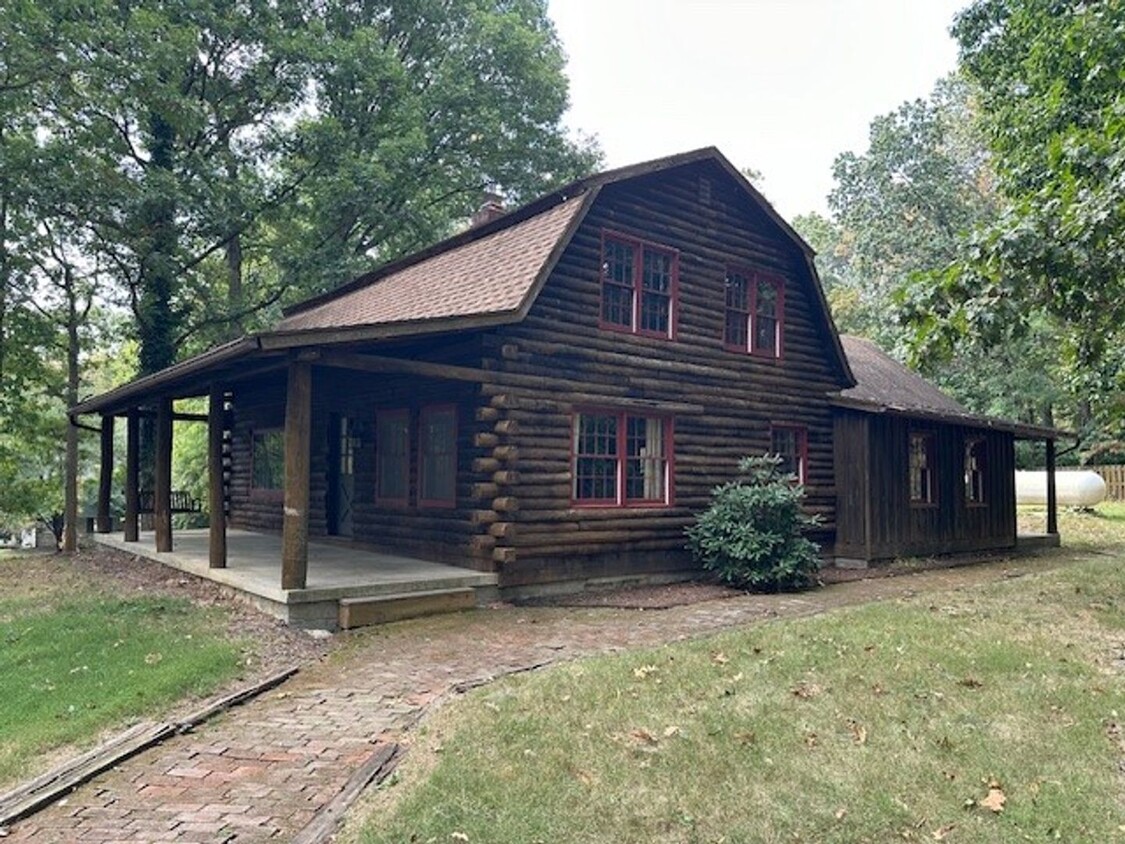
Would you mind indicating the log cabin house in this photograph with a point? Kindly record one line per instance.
(551, 395)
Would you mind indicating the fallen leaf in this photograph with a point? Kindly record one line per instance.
(810, 739)
(153, 658)
(940, 833)
(642, 672)
(841, 814)
(995, 800)
(459, 836)
(970, 683)
(643, 736)
(670, 731)
(720, 658)
(745, 737)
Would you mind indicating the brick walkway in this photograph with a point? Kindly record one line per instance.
(262, 771)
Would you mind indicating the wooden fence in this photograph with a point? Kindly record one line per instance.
(1114, 477)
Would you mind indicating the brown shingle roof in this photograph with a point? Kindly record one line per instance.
(885, 385)
(882, 380)
(491, 275)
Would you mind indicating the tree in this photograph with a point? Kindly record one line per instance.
(1052, 110)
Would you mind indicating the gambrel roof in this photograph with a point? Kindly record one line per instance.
(485, 276)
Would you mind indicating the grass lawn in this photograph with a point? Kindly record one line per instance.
(77, 657)
(994, 714)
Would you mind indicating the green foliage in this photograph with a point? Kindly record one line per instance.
(91, 662)
(751, 535)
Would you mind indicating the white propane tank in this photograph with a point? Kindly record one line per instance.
(1073, 488)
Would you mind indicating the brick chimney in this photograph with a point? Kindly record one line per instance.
(490, 209)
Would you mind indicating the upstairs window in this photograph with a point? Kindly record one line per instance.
(790, 443)
(754, 313)
(621, 459)
(974, 471)
(638, 286)
(922, 465)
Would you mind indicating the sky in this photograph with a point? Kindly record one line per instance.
(782, 86)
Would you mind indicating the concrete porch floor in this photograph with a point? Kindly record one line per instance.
(335, 572)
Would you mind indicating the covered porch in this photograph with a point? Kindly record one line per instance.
(346, 586)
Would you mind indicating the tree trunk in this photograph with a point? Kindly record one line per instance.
(70, 472)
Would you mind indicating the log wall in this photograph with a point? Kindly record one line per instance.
(740, 395)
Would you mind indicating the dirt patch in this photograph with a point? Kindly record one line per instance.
(662, 597)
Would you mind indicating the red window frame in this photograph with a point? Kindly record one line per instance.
(801, 447)
(425, 500)
(743, 308)
(924, 472)
(621, 457)
(638, 290)
(380, 454)
(976, 463)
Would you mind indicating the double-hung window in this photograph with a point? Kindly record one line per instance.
(975, 451)
(790, 443)
(267, 456)
(621, 459)
(638, 286)
(392, 457)
(754, 312)
(922, 465)
(437, 456)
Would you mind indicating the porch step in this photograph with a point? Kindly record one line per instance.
(381, 609)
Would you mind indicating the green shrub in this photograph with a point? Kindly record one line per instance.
(752, 535)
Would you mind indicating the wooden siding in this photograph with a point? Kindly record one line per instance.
(1114, 477)
(872, 454)
(740, 395)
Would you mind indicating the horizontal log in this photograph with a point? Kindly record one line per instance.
(482, 542)
(503, 530)
(506, 504)
(484, 517)
(483, 465)
(506, 477)
(506, 427)
(506, 453)
(485, 440)
(483, 491)
(504, 556)
(486, 414)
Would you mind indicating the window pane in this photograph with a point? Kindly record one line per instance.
(787, 445)
(392, 447)
(921, 470)
(766, 315)
(268, 460)
(617, 283)
(645, 464)
(656, 311)
(438, 445)
(974, 471)
(595, 465)
(657, 275)
(737, 292)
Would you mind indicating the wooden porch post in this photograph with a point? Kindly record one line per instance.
(132, 474)
(1052, 497)
(218, 518)
(295, 527)
(105, 475)
(162, 476)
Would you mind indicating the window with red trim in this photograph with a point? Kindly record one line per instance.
(790, 443)
(437, 456)
(922, 465)
(754, 313)
(621, 459)
(975, 451)
(392, 457)
(638, 286)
